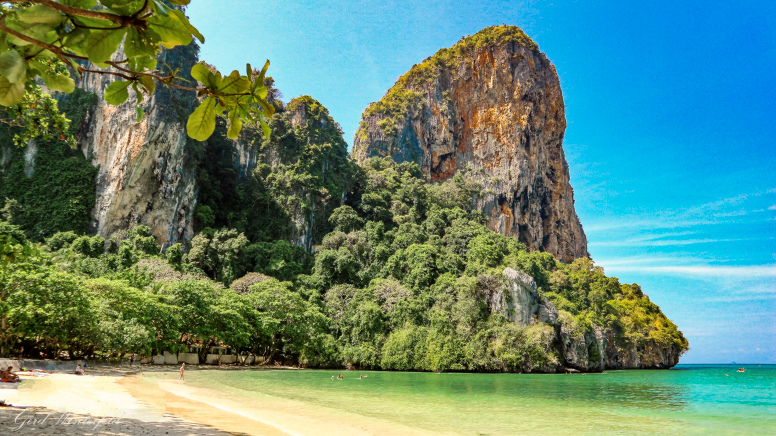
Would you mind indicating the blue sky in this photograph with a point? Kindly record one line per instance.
(670, 139)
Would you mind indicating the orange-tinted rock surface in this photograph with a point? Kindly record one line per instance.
(491, 109)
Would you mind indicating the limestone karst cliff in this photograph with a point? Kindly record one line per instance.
(143, 173)
(491, 109)
(151, 173)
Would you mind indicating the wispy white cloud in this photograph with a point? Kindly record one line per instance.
(712, 213)
(661, 242)
(740, 298)
(749, 294)
(742, 271)
(740, 212)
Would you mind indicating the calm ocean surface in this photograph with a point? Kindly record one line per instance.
(690, 399)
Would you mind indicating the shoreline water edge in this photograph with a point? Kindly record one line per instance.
(267, 401)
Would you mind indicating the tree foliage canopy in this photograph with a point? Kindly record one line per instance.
(405, 280)
(46, 39)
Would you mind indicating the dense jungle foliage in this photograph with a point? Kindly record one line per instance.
(401, 282)
(302, 174)
(49, 187)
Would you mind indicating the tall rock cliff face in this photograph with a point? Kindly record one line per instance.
(491, 109)
(143, 173)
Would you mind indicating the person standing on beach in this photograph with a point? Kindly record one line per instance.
(182, 368)
(132, 360)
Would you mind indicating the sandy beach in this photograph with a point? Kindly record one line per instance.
(123, 402)
(99, 403)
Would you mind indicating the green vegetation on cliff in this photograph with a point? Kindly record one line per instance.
(405, 280)
(49, 187)
(304, 258)
(302, 172)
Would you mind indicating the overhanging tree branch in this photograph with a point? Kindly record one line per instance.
(123, 21)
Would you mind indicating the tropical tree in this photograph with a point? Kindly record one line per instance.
(47, 39)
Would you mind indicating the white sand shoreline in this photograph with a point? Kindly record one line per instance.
(122, 402)
(94, 404)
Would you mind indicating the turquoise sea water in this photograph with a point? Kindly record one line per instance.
(690, 399)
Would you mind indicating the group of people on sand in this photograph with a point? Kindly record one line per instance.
(8, 376)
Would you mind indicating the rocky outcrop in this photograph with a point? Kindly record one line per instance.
(519, 300)
(143, 177)
(579, 348)
(489, 108)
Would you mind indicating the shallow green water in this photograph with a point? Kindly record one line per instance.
(690, 399)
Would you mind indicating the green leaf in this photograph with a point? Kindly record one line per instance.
(12, 66)
(147, 63)
(261, 92)
(37, 14)
(268, 109)
(141, 63)
(265, 128)
(10, 93)
(148, 83)
(263, 72)
(83, 4)
(101, 44)
(58, 82)
(123, 7)
(41, 31)
(193, 30)
(202, 122)
(234, 84)
(117, 93)
(139, 111)
(203, 74)
(180, 2)
(92, 22)
(200, 73)
(171, 30)
(141, 44)
(75, 41)
(235, 124)
(160, 8)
